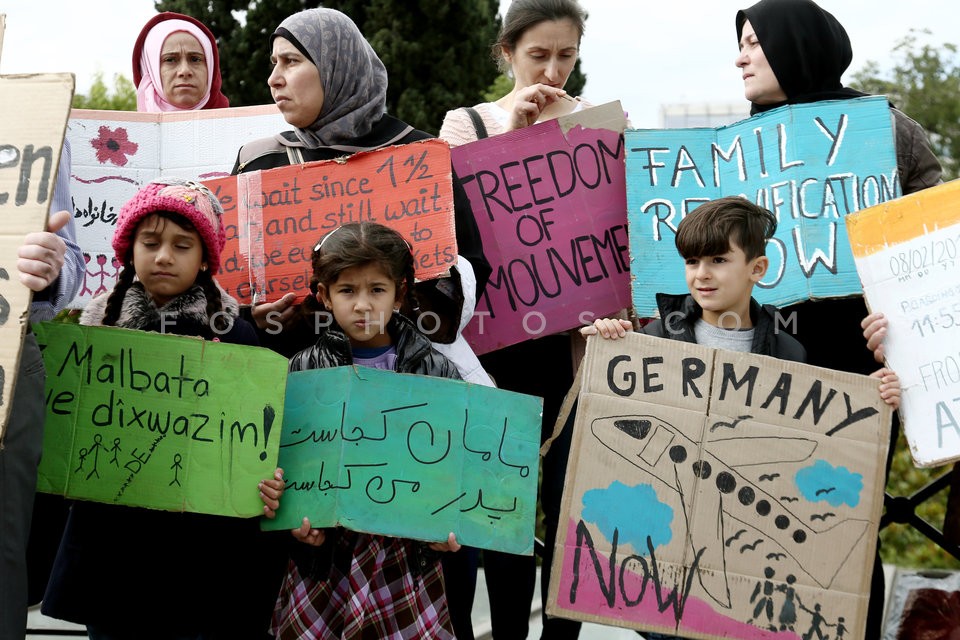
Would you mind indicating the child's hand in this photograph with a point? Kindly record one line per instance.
(308, 535)
(270, 492)
(275, 315)
(609, 328)
(875, 330)
(889, 387)
(450, 545)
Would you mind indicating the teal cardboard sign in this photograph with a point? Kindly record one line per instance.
(410, 456)
(810, 164)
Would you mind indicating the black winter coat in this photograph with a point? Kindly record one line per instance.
(135, 571)
(681, 312)
(415, 354)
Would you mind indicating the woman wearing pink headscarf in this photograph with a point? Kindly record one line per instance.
(176, 65)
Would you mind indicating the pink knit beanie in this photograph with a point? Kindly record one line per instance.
(190, 199)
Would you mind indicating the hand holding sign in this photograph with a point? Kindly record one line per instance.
(309, 535)
(270, 492)
(906, 253)
(874, 331)
(40, 257)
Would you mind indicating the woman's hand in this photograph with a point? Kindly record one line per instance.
(889, 387)
(308, 535)
(274, 316)
(450, 545)
(270, 492)
(530, 102)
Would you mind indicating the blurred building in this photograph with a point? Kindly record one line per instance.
(716, 114)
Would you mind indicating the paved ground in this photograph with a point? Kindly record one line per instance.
(481, 617)
(481, 620)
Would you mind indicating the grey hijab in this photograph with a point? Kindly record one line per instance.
(354, 79)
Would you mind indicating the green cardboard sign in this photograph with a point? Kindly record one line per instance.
(160, 421)
(410, 456)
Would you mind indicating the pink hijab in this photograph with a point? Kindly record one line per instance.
(146, 63)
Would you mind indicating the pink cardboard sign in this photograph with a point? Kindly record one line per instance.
(550, 202)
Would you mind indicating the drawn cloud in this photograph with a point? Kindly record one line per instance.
(635, 512)
(822, 482)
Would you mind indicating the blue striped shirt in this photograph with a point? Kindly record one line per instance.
(65, 287)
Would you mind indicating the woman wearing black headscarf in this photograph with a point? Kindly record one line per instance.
(794, 52)
(329, 83)
(808, 51)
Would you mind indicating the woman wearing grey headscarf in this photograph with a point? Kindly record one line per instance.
(329, 83)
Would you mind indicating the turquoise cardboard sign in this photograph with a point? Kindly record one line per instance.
(159, 421)
(810, 164)
(410, 456)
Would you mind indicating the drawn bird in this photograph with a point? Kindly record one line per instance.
(776, 556)
(751, 547)
(769, 476)
(729, 425)
(821, 492)
(789, 499)
(734, 537)
(822, 516)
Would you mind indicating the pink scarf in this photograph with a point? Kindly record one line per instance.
(150, 95)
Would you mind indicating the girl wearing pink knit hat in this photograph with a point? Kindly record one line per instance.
(168, 238)
(130, 573)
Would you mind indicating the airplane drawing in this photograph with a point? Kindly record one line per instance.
(731, 492)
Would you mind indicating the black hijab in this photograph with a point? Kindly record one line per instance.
(807, 48)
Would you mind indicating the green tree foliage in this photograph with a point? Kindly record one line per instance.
(925, 84)
(123, 98)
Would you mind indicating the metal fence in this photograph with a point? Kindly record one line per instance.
(903, 510)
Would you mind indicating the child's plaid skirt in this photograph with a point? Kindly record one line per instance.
(374, 592)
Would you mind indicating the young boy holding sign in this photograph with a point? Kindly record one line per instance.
(722, 243)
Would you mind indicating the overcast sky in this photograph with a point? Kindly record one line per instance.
(645, 53)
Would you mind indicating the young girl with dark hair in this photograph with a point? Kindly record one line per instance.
(345, 584)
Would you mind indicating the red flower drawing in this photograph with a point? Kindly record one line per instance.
(113, 146)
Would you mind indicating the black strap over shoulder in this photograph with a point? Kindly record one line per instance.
(477, 122)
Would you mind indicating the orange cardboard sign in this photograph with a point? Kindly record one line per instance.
(274, 218)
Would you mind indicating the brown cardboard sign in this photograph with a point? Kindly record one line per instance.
(30, 143)
(716, 494)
